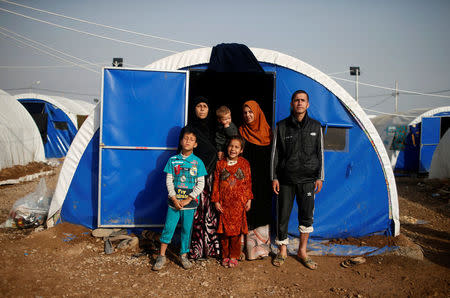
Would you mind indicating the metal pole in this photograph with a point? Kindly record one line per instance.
(357, 93)
(396, 97)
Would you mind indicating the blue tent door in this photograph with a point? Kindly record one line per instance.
(142, 114)
(430, 136)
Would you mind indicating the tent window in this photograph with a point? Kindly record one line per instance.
(61, 125)
(335, 138)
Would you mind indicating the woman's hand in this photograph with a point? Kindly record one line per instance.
(248, 205)
(220, 155)
(218, 207)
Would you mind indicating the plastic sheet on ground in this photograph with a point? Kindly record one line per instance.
(324, 248)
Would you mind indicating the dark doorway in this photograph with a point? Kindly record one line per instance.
(232, 90)
(445, 124)
(39, 115)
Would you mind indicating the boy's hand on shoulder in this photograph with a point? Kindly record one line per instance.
(218, 207)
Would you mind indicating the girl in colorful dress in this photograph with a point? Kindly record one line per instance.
(232, 194)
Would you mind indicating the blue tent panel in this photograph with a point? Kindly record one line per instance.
(133, 187)
(81, 203)
(143, 112)
(142, 107)
(430, 136)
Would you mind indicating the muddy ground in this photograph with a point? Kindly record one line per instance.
(68, 261)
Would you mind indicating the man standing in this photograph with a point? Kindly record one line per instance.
(297, 171)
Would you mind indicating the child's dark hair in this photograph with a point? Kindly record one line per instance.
(187, 130)
(239, 138)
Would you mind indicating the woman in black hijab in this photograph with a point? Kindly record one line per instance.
(205, 242)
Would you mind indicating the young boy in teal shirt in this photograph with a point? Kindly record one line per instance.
(185, 182)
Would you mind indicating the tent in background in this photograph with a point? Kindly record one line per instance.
(57, 119)
(410, 138)
(126, 187)
(20, 141)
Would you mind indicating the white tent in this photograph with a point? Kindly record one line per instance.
(440, 164)
(20, 140)
(395, 127)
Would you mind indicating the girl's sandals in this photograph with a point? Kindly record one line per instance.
(233, 263)
(308, 263)
(226, 262)
(279, 260)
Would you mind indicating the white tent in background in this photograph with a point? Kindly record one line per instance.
(72, 107)
(20, 140)
(392, 127)
(57, 118)
(440, 164)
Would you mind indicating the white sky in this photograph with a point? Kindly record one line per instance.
(391, 40)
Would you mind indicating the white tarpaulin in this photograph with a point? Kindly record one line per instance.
(20, 140)
(440, 164)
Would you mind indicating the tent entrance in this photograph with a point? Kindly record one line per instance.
(39, 115)
(232, 90)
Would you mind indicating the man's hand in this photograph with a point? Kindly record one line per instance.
(276, 186)
(218, 207)
(248, 205)
(318, 186)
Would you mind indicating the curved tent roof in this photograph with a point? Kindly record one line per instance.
(20, 140)
(72, 107)
(83, 146)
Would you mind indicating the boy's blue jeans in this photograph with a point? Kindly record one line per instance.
(186, 218)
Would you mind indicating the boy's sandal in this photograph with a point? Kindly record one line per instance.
(233, 263)
(308, 263)
(225, 262)
(278, 260)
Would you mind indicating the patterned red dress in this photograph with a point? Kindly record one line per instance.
(232, 189)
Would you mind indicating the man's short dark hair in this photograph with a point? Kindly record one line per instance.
(299, 92)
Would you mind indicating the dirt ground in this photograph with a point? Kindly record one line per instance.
(68, 261)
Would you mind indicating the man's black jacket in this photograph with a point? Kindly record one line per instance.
(297, 151)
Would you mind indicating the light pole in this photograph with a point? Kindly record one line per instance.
(355, 71)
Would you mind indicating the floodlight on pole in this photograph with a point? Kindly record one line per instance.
(355, 71)
(117, 62)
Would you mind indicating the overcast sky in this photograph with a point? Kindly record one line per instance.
(391, 40)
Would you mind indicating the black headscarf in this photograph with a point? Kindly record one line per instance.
(205, 150)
